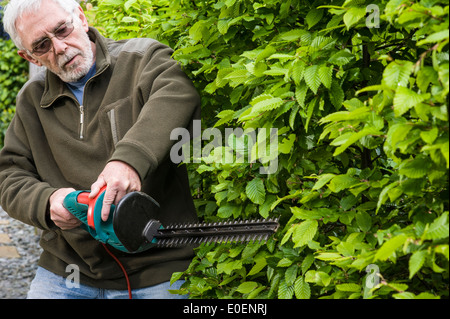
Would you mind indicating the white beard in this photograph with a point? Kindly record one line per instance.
(79, 69)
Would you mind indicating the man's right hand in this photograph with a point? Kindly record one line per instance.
(59, 214)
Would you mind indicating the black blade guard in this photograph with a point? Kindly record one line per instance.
(132, 214)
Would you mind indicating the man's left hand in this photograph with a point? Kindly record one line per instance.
(119, 179)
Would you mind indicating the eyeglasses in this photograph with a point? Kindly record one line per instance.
(45, 44)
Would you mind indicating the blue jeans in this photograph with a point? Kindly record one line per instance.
(47, 285)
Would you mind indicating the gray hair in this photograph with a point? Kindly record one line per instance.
(16, 8)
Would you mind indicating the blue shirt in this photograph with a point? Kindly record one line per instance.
(78, 87)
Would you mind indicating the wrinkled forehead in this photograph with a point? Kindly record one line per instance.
(35, 25)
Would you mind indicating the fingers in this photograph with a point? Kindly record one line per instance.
(97, 186)
(60, 216)
(112, 196)
(64, 219)
(119, 179)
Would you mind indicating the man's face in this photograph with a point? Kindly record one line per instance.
(71, 57)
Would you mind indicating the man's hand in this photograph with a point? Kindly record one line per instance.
(58, 213)
(120, 179)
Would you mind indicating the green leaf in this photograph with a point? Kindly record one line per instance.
(354, 137)
(416, 168)
(322, 180)
(285, 262)
(250, 250)
(265, 208)
(229, 210)
(353, 16)
(237, 77)
(222, 26)
(128, 4)
(445, 152)
(291, 274)
(384, 195)
(325, 75)
(292, 35)
(285, 291)
(113, 2)
(389, 247)
(442, 249)
(228, 267)
(435, 37)
(429, 136)
(259, 265)
(129, 20)
(416, 262)
(425, 76)
(312, 78)
(310, 111)
(287, 235)
(336, 95)
(302, 289)
(439, 228)
(255, 191)
(268, 51)
(286, 145)
(297, 70)
(176, 276)
(360, 113)
(349, 287)
(307, 263)
(267, 104)
(328, 256)
(397, 133)
(225, 116)
(397, 73)
(341, 58)
(313, 17)
(406, 99)
(341, 182)
(300, 94)
(247, 287)
(196, 31)
(364, 221)
(304, 232)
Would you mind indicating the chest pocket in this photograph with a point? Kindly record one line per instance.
(120, 118)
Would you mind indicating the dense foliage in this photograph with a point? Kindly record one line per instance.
(13, 74)
(358, 91)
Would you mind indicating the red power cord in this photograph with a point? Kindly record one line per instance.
(123, 269)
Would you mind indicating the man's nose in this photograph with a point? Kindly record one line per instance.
(59, 46)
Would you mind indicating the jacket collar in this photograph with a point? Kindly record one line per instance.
(55, 88)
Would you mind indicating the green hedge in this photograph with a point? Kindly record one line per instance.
(13, 75)
(360, 101)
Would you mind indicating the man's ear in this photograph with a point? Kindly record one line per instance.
(83, 19)
(28, 57)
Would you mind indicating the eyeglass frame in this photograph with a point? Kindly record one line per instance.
(68, 24)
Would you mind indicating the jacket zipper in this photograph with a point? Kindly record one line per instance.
(81, 108)
(81, 121)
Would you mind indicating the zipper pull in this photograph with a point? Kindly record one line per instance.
(81, 121)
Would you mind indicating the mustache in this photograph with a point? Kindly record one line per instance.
(67, 57)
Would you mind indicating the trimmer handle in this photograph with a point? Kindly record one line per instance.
(83, 198)
(126, 223)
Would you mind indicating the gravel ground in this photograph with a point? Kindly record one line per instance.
(16, 273)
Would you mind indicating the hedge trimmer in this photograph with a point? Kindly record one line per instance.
(133, 225)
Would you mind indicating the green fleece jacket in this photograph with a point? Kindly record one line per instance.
(137, 97)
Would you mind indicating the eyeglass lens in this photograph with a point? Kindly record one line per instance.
(61, 33)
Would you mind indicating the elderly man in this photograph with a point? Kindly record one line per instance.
(101, 115)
